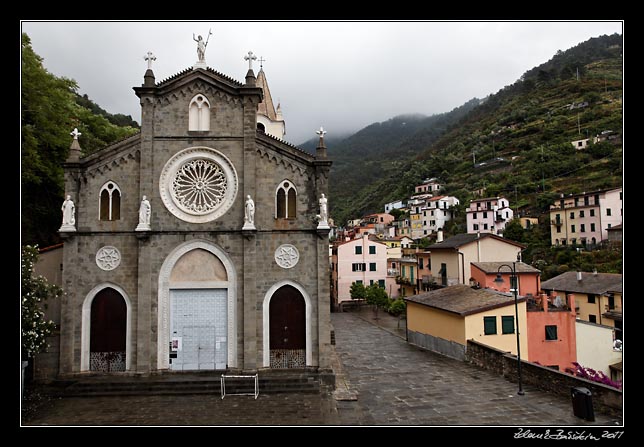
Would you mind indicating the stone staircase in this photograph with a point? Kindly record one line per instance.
(270, 382)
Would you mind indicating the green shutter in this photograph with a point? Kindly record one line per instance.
(372, 249)
(489, 325)
(507, 324)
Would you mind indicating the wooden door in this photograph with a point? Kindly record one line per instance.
(287, 319)
(108, 331)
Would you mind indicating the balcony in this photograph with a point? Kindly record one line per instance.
(393, 272)
(403, 281)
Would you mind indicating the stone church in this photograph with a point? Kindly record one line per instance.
(199, 243)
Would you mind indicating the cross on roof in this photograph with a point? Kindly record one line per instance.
(250, 58)
(75, 133)
(150, 58)
(261, 61)
(321, 132)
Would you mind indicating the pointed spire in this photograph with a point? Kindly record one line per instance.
(74, 149)
(266, 107)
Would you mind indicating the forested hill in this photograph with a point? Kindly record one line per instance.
(516, 142)
(50, 108)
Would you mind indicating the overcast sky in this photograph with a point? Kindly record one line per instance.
(340, 75)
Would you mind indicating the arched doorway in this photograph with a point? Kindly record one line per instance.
(108, 332)
(197, 309)
(287, 316)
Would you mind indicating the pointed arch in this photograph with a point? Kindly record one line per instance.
(199, 113)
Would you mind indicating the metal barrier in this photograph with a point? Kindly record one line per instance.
(223, 385)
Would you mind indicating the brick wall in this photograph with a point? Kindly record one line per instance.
(605, 399)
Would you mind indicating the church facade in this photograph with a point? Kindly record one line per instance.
(196, 244)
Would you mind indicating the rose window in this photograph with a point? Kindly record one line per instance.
(199, 186)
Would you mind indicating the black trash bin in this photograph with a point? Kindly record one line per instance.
(582, 403)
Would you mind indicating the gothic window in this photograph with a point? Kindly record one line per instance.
(285, 200)
(109, 207)
(199, 114)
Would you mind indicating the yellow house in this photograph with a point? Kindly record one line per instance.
(451, 258)
(598, 295)
(443, 320)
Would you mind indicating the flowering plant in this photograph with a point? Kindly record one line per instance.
(35, 291)
(591, 374)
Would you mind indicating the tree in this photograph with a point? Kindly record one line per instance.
(514, 231)
(358, 291)
(49, 112)
(377, 296)
(35, 292)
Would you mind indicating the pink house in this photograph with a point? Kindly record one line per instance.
(551, 331)
(484, 273)
(358, 260)
(488, 215)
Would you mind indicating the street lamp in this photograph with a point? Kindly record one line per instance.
(514, 288)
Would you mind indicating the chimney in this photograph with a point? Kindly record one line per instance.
(544, 302)
(439, 235)
(594, 272)
(579, 276)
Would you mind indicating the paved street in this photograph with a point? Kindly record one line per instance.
(398, 384)
(394, 384)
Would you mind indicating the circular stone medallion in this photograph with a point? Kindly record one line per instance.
(287, 256)
(108, 258)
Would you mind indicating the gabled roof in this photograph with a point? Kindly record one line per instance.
(592, 283)
(493, 267)
(467, 238)
(190, 70)
(463, 300)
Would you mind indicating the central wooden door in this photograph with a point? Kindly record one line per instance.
(287, 329)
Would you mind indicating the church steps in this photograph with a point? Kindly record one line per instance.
(268, 384)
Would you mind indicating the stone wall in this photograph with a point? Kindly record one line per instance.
(437, 344)
(605, 399)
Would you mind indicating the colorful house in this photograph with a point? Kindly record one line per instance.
(425, 277)
(598, 296)
(452, 258)
(597, 348)
(443, 320)
(584, 219)
(484, 275)
(488, 215)
(408, 275)
(551, 332)
(360, 260)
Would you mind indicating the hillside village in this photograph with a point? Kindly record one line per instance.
(439, 279)
(242, 283)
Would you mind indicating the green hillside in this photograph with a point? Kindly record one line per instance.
(516, 142)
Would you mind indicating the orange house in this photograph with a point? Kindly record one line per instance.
(552, 339)
(484, 273)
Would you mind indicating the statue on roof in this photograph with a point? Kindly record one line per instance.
(201, 45)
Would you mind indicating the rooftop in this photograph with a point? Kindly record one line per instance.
(467, 238)
(493, 267)
(463, 300)
(594, 283)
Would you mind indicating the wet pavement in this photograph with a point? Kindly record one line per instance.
(381, 380)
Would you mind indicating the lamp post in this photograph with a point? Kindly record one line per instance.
(514, 283)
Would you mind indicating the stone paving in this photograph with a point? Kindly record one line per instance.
(399, 384)
(381, 381)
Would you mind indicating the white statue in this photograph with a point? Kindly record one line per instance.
(323, 209)
(69, 218)
(201, 46)
(249, 214)
(145, 210)
(324, 213)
